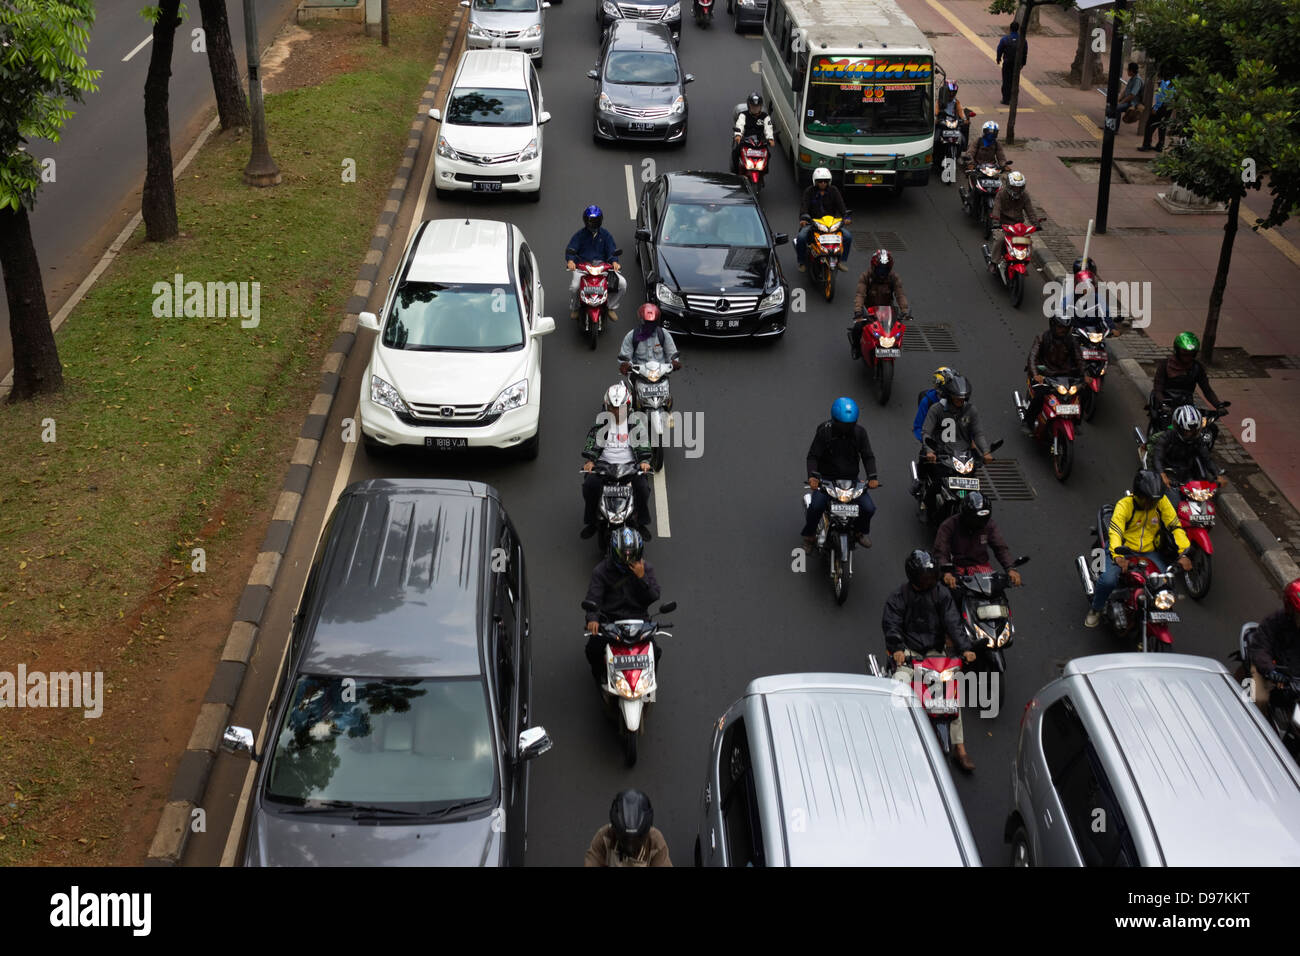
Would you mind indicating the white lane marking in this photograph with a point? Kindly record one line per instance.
(662, 528)
(631, 192)
(138, 47)
(345, 460)
(755, 68)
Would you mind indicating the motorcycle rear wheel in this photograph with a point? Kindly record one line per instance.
(1197, 581)
(1063, 459)
(1016, 286)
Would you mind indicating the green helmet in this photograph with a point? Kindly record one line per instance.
(1187, 342)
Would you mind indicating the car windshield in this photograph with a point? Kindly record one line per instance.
(506, 6)
(712, 224)
(430, 316)
(869, 96)
(401, 744)
(474, 107)
(638, 68)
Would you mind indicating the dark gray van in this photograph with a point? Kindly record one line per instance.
(400, 729)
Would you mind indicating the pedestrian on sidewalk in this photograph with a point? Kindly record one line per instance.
(1006, 55)
(1132, 96)
(1159, 118)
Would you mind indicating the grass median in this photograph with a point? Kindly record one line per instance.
(170, 431)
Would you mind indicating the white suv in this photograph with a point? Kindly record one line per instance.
(491, 135)
(457, 362)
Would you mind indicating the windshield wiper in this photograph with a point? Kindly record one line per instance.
(340, 806)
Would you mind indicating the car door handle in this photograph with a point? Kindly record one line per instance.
(713, 839)
(1047, 816)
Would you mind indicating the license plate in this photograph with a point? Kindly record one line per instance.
(654, 388)
(970, 484)
(868, 179)
(842, 509)
(888, 353)
(445, 444)
(632, 662)
(949, 137)
(614, 491)
(485, 186)
(641, 127)
(1202, 520)
(722, 323)
(1169, 616)
(941, 706)
(1067, 409)
(1094, 355)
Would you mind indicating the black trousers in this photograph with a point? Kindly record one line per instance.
(1008, 74)
(591, 488)
(595, 651)
(1157, 122)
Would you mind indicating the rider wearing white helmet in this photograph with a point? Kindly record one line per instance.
(821, 199)
(1012, 203)
(613, 441)
(986, 149)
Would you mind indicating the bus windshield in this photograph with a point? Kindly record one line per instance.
(869, 96)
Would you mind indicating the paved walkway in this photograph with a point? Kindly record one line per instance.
(1177, 254)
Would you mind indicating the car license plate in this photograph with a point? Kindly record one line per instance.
(722, 323)
(632, 662)
(888, 353)
(653, 388)
(445, 444)
(641, 127)
(970, 484)
(1202, 520)
(842, 509)
(1169, 616)
(868, 179)
(1067, 409)
(1094, 355)
(485, 186)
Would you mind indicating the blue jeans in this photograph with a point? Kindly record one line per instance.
(805, 234)
(821, 501)
(1110, 577)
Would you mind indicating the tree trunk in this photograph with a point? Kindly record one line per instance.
(158, 205)
(1081, 68)
(37, 369)
(232, 108)
(1220, 282)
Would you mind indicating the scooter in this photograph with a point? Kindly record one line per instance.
(981, 595)
(1283, 699)
(648, 383)
(1058, 419)
(982, 185)
(617, 506)
(949, 479)
(881, 346)
(1140, 604)
(837, 534)
(1013, 263)
(935, 677)
(825, 250)
(703, 10)
(593, 295)
(754, 155)
(950, 138)
(630, 680)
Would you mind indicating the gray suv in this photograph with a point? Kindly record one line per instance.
(400, 730)
(1150, 760)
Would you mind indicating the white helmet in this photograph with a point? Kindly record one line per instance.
(1016, 182)
(618, 397)
(991, 127)
(820, 174)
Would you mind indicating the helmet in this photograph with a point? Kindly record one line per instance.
(590, 213)
(941, 375)
(844, 410)
(754, 99)
(921, 570)
(617, 396)
(990, 130)
(1059, 319)
(821, 174)
(1147, 487)
(1187, 342)
(951, 87)
(1291, 596)
(1187, 419)
(957, 386)
(626, 546)
(975, 512)
(631, 817)
(1084, 265)
(648, 312)
(882, 263)
(1016, 182)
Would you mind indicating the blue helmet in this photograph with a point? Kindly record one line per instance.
(845, 410)
(590, 213)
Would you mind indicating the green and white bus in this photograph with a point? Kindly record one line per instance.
(850, 86)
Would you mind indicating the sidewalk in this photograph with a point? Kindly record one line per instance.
(1257, 355)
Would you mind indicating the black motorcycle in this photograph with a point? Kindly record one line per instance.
(837, 534)
(1283, 699)
(982, 185)
(949, 479)
(986, 613)
(617, 507)
(950, 137)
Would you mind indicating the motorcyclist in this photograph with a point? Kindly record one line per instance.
(1177, 378)
(878, 285)
(948, 96)
(1136, 523)
(1056, 353)
(630, 838)
(1012, 203)
(962, 543)
(1176, 453)
(1274, 648)
(648, 342)
(929, 397)
(953, 420)
(623, 587)
(612, 441)
(821, 199)
(752, 119)
(836, 448)
(1086, 299)
(986, 149)
(917, 618)
(592, 243)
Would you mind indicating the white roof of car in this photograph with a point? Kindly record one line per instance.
(462, 250)
(503, 69)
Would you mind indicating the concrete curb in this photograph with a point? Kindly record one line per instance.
(1240, 517)
(195, 767)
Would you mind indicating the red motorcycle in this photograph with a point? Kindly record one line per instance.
(593, 295)
(1012, 265)
(1058, 419)
(703, 10)
(935, 681)
(1139, 605)
(753, 160)
(881, 345)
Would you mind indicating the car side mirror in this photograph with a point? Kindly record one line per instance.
(368, 320)
(239, 740)
(533, 742)
(668, 608)
(543, 118)
(435, 115)
(689, 78)
(642, 235)
(591, 607)
(593, 74)
(464, 3)
(546, 6)
(781, 238)
(545, 326)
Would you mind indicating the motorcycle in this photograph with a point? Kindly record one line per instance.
(837, 534)
(703, 10)
(881, 346)
(754, 155)
(593, 295)
(948, 479)
(986, 614)
(617, 506)
(630, 679)
(1160, 417)
(982, 185)
(648, 383)
(1058, 419)
(825, 250)
(935, 676)
(1140, 604)
(1093, 323)
(1013, 263)
(950, 138)
(1283, 700)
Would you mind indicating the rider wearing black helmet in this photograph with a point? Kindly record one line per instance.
(752, 119)
(879, 285)
(1054, 352)
(630, 838)
(592, 243)
(962, 543)
(953, 420)
(916, 619)
(623, 587)
(1182, 453)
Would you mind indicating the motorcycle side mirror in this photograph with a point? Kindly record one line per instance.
(642, 235)
(688, 78)
(1023, 559)
(781, 238)
(1124, 551)
(618, 252)
(996, 445)
(591, 607)
(593, 75)
(931, 443)
(668, 608)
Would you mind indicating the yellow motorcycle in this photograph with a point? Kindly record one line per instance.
(825, 250)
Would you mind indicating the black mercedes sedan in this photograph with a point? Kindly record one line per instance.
(709, 258)
(640, 87)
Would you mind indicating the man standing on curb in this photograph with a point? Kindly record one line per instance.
(1159, 118)
(1006, 55)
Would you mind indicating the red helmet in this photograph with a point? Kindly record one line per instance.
(648, 312)
(1291, 596)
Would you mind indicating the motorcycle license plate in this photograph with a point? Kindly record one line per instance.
(868, 179)
(842, 509)
(1094, 355)
(888, 353)
(1067, 409)
(990, 183)
(1203, 521)
(951, 137)
(632, 662)
(970, 484)
(653, 389)
(722, 323)
(485, 186)
(445, 444)
(943, 706)
(641, 127)
(1168, 616)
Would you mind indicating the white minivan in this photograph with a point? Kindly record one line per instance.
(458, 362)
(491, 135)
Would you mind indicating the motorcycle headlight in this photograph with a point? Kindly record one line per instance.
(444, 149)
(652, 375)
(963, 467)
(1073, 389)
(605, 104)
(1165, 600)
(1201, 494)
(512, 397)
(668, 297)
(1095, 337)
(948, 675)
(534, 31)
(611, 9)
(1060, 389)
(529, 152)
(679, 106)
(773, 299)
(382, 393)
(1005, 635)
(674, 12)
(887, 341)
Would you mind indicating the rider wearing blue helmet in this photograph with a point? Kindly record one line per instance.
(591, 243)
(836, 448)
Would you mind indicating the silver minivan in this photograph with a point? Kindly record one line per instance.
(507, 25)
(829, 770)
(1150, 760)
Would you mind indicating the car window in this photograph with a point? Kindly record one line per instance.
(409, 744)
(738, 799)
(526, 281)
(506, 619)
(535, 86)
(641, 68)
(712, 224)
(506, 6)
(470, 106)
(658, 200)
(433, 317)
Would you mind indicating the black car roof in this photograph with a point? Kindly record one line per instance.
(695, 185)
(640, 35)
(403, 584)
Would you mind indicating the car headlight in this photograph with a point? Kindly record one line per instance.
(679, 106)
(605, 104)
(748, 3)
(382, 393)
(444, 149)
(477, 31)
(611, 9)
(1165, 600)
(772, 299)
(674, 12)
(529, 152)
(668, 297)
(887, 341)
(512, 397)
(534, 31)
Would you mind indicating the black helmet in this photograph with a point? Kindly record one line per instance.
(755, 99)
(975, 512)
(1084, 265)
(631, 817)
(625, 546)
(921, 570)
(1059, 319)
(957, 386)
(1147, 487)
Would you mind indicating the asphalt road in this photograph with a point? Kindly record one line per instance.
(99, 162)
(735, 511)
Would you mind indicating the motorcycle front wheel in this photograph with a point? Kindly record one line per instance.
(629, 748)
(829, 281)
(593, 335)
(985, 221)
(1197, 580)
(1088, 404)
(1016, 286)
(839, 578)
(657, 458)
(1063, 458)
(885, 380)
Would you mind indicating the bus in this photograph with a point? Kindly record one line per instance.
(850, 86)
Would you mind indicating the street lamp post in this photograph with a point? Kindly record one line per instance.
(1112, 115)
(261, 169)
